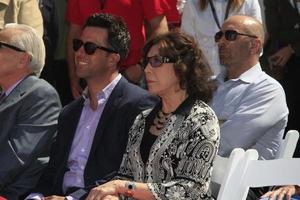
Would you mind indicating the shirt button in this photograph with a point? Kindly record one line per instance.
(82, 150)
(82, 167)
(78, 180)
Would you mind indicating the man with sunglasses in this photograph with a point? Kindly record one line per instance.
(29, 108)
(93, 130)
(250, 105)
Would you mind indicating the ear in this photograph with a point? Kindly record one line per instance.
(114, 59)
(255, 46)
(25, 59)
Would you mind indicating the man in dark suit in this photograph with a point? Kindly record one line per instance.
(283, 25)
(93, 130)
(29, 109)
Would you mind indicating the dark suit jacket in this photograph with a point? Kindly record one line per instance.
(283, 24)
(124, 104)
(28, 123)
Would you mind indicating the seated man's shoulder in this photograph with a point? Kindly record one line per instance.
(266, 83)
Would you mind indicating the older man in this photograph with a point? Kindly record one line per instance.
(29, 108)
(250, 105)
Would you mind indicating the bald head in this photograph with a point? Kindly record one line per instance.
(248, 25)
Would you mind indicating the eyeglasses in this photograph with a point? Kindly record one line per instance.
(230, 35)
(89, 47)
(157, 61)
(11, 47)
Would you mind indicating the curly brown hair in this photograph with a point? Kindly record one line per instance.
(191, 66)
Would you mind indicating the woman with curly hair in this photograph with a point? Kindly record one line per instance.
(203, 18)
(171, 147)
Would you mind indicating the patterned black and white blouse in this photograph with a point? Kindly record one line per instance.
(180, 160)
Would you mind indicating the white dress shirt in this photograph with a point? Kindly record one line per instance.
(252, 112)
(202, 26)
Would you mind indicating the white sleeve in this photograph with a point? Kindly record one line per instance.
(255, 10)
(35, 196)
(258, 122)
(188, 19)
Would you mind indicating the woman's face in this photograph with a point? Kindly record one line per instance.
(161, 79)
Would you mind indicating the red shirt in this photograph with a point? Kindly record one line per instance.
(172, 12)
(134, 13)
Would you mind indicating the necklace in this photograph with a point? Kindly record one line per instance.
(159, 122)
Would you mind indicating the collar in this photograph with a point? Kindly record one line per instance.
(10, 89)
(104, 93)
(248, 76)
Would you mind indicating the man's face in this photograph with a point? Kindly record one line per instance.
(233, 53)
(92, 65)
(9, 59)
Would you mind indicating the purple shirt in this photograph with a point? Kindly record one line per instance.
(84, 136)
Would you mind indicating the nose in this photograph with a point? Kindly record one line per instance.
(80, 51)
(147, 68)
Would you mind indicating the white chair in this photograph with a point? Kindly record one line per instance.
(288, 145)
(227, 171)
(260, 173)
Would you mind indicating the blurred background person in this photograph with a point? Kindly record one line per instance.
(134, 14)
(203, 18)
(21, 12)
(171, 147)
(50, 37)
(283, 52)
(172, 13)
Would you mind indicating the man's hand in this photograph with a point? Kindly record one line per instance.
(281, 57)
(279, 194)
(134, 73)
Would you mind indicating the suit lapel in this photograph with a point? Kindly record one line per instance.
(17, 93)
(109, 110)
(70, 126)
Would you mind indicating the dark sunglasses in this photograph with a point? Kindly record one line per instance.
(230, 35)
(157, 61)
(89, 47)
(11, 47)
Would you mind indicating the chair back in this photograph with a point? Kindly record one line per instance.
(260, 173)
(228, 171)
(288, 145)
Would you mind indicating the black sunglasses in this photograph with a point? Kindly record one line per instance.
(157, 61)
(89, 47)
(11, 47)
(230, 35)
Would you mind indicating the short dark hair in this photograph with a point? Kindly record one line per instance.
(118, 34)
(191, 66)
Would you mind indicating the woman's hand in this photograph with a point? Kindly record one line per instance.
(279, 194)
(106, 191)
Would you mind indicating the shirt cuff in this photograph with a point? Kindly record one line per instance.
(70, 198)
(34, 196)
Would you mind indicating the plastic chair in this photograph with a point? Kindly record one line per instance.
(260, 173)
(288, 145)
(227, 171)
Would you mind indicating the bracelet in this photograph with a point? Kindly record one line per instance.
(130, 187)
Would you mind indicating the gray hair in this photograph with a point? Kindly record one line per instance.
(27, 39)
